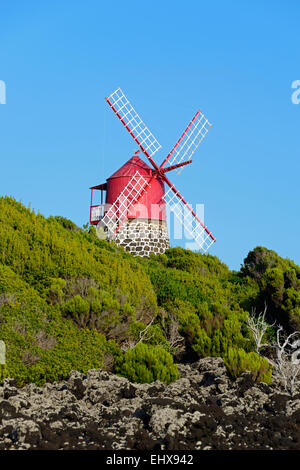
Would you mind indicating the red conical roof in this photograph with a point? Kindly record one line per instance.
(131, 167)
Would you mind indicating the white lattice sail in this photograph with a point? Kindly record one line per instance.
(189, 141)
(132, 121)
(196, 229)
(130, 195)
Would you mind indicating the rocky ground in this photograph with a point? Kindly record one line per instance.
(204, 409)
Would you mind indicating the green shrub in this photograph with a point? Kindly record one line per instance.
(41, 345)
(3, 372)
(238, 361)
(146, 363)
(279, 285)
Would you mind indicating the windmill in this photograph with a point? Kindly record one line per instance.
(134, 212)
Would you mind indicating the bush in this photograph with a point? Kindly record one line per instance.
(3, 372)
(41, 345)
(238, 361)
(279, 283)
(145, 364)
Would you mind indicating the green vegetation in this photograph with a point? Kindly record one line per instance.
(71, 301)
(146, 363)
(279, 285)
(238, 361)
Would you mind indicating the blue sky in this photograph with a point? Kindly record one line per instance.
(234, 60)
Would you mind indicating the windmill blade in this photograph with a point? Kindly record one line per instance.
(133, 123)
(189, 141)
(117, 214)
(187, 217)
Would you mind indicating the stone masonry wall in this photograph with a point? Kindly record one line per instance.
(142, 236)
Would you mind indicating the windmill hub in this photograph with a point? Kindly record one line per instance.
(134, 212)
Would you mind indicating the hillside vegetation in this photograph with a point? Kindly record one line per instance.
(71, 301)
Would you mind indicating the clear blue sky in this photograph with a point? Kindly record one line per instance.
(235, 60)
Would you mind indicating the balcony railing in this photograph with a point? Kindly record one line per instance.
(97, 212)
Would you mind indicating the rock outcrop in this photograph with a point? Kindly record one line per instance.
(204, 409)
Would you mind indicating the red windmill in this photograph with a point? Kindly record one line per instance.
(134, 213)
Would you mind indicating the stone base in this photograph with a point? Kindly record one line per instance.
(142, 236)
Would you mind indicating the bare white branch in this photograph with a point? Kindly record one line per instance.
(130, 344)
(172, 334)
(258, 327)
(287, 362)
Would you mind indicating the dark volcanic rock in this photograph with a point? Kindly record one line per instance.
(204, 409)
